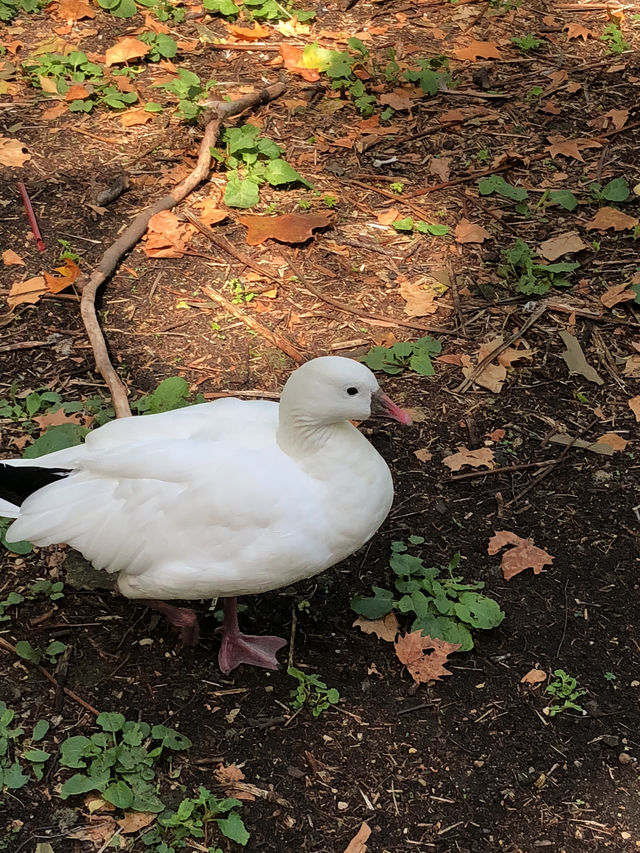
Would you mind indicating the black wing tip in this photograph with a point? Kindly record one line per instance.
(17, 482)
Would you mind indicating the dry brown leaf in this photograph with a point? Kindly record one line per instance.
(570, 147)
(440, 167)
(13, 152)
(632, 367)
(55, 111)
(134, 821)
(210, 213)
(469, 232)
(617, 293)
(385, 629)
(479, 49)
(357, 843)
(451, 358)
(388, 216)
(492, 376)
(613, 440)
(229, 774)
(126, 49)
(77, 92)
(247, 34)
(288, 228)
(423, 455)
(9, 258)
(420, 300)
(57, 419)
(634, 405)
(575, 359)
(28, 291)
(497, 434)
(607, 217)
(135, 117)
(524, 554)
(424, 657)
(73, 10)
(563, 244)
(293, 62)
(475, 458)
(69, 272)
(99, 830)
(164, 237)
(534, 676)
(617, 118)
(398, 101)
(577, 31)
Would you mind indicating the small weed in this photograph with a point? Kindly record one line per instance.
(304, 205)
(518, 267)
(26, 651)
(67, 252)
(188, 89)
(408, 224)
(171, 393)
(497, 184)
(239, 294)
(616, 190)
(483, 155)
(53, 591)
(17, 752)
(613, 38)
(410, 355)
(161, 46)
(193, 819)
(329, 200)
(444, 607)
(396, 187)
(311, 691)
(10, 8)
(269, 10)
(565, 693)
(528, 43)
(164, 10)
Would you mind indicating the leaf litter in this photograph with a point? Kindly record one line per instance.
(522, 554)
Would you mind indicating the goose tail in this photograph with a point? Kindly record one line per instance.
(17, 482)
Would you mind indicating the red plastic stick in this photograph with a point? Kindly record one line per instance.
(32, 217)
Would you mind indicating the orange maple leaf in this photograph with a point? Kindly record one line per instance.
(479, 49)
(288, 228)
(524, 554)
(423, 656)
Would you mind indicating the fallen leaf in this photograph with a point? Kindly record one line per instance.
(634, 405)
(210, 213)
(617, 118)
(135, 117)
(13, 152)
(357, 843)
(55, 111)
(288, 228)
(99, 830)
(9, 257)
(134, 821)
(479, 49)
(423, 455)
(385, 629)
(577, 31)
(581, 444)
(420, 300)
(492, 376)
(534, 676)
(69, 272)
(632, 367)
(247, 34)
(424, 657)
(524, 554)
(613, 440)
(605, 218)
(563, 244)
(124, 50)
(570, 147)
(451, 358)
(28, 291)
(440, 167)
(497, 434)
(165, 236)
(293, 62)
(57, 419)
(469, 232)
(397, 101)
(388, 216)
(617, 293)
(575, 359)
(73, 10)
(228, 774)
(77, 92)
(475, 458)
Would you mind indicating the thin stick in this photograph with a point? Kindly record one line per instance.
(275, 338)
(133, 233)
(6, 645)
(535, 316)
(25, 345)
(292, 638)
(33, 222)
(507, 469)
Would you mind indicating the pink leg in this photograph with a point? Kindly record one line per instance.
(240, 648)
(182, 618)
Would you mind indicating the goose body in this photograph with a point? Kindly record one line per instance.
(224, 498)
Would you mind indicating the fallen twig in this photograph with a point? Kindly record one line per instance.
(133, 233)
(33, 222)
(507, 469)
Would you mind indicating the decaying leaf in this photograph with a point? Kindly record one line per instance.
(440, 167)
(73, 10)
(288, 228)
(420, 300)
(100, 830)
(534, 676)
(424, 657)
(357, 843)
(57, 419)
(469, 232)
(165, 236)
(294, 62)
(580, 444)
(613, 440)
(479, 50)
(632, 367)
(523, 555)
(617, 293)
(26, 292)
(570, 147)
(493, 375)
(210, 213)
(135, 117)
(126, 49)
(616, 118)
(609, 217)
(134, 821)
(385, 629)
(69, 272)
(563, 244)
(388, 216)
(247, 34)
(475, 458)
(423, 455)
(575, 359)
(634, 405)
(13, 152)
(9, 258)
(577, 31)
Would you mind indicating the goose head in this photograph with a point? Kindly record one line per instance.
(331, 390)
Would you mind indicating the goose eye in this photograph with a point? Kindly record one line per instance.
(352, 391)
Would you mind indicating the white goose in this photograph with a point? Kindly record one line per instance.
(226, 498)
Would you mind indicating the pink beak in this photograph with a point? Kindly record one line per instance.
(383, 406)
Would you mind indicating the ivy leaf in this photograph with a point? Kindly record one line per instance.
(40, 729)
(81, 784)
(564, 199)
(37, 756)
(13, 777)
(241, 193)
(373, 608)
(478, 610)
(26, 651)
(223, 7)
(233, 827)
(170, 738)
(279, 172)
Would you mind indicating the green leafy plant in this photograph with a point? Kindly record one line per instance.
(52, 590)
(564, 692)
(240, 295)
(409, 355)
(26, 651)
(161, 46)
(483, 155)
(193, 819)
(164, 10)
(188, 89)
(430, 75)
(119, 8)
(252, 160)
(497, 184)
(563, 198)
(9, 9)
(66, 251)
(119, 761)
(312, 692)
(518, 267)
(171, 393)
(443, 607)
(613, 38)
(527, 43)
(616, 190)
(408, 224)
(17, 753)
(269, 10)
